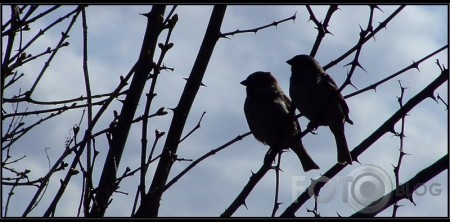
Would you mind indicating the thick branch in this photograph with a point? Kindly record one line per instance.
(150, 206)
(120, 132)
(406, 190)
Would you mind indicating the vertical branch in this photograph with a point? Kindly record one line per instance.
(11, 36)
(150, 206)
(322, 28)
(10, 194)
(402, 153)
(88, 176)
(150, 95)
(119, 133)
(276, 205)
(355, 63)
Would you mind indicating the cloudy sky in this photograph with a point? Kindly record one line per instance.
(115, 38)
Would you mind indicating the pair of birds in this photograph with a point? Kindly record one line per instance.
(270, 113)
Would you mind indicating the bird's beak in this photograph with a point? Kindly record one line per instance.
(244, 83)
(289, 62)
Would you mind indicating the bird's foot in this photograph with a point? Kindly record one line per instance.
(312, 127)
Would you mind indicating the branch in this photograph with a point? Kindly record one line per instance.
(151, 95)
(275, 23)
(195, 128)
(276, 204)
(254, 179)
(414, 65)
(406, 190)
(381, 26)
(64, 35)
(120, 132)
(197, 161)
(322, 29)
(150, 206)
(401, 135)
(364, 145)
(355, 63)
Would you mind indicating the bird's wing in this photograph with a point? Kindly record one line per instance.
(331, 86)
(291, 108)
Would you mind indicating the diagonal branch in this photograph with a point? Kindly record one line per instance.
(150, 204)
(364, 145)
(414, 65)
(254, 179)
(120, 132)
(381, 26)
(406, 190)
(322, 28)
(275, 23)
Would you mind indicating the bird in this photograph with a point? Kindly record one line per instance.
(315, 94)
(267, 111)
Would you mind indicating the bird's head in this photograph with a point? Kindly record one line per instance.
(304, 63)
(259, 80)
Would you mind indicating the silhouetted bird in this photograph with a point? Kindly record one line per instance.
(267, 110)
(316, 96)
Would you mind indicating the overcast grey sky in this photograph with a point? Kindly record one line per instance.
(115, 39)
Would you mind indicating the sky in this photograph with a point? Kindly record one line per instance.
(114, 40)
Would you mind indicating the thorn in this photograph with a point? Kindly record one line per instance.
(245, 205)
(441, 67)
(383, 25)
(223, 36)
(395, 168)
(415, 65)
(355, 159)
(410, 198)
(145, 14)
(360, 66)
(374, 87)
(432, 97)
(392, 130)
(350, 82)
(375, 7)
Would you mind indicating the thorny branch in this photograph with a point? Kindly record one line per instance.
(255, 30)
(427, 92)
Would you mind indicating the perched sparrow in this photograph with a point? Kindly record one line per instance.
(316, 96)
(267, 110)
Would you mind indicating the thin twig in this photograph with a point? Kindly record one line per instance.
(276, 204)
(254, 30)
(414, 65)
(401, 136)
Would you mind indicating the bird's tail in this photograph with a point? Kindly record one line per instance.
(343, 155)
(306, 160)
